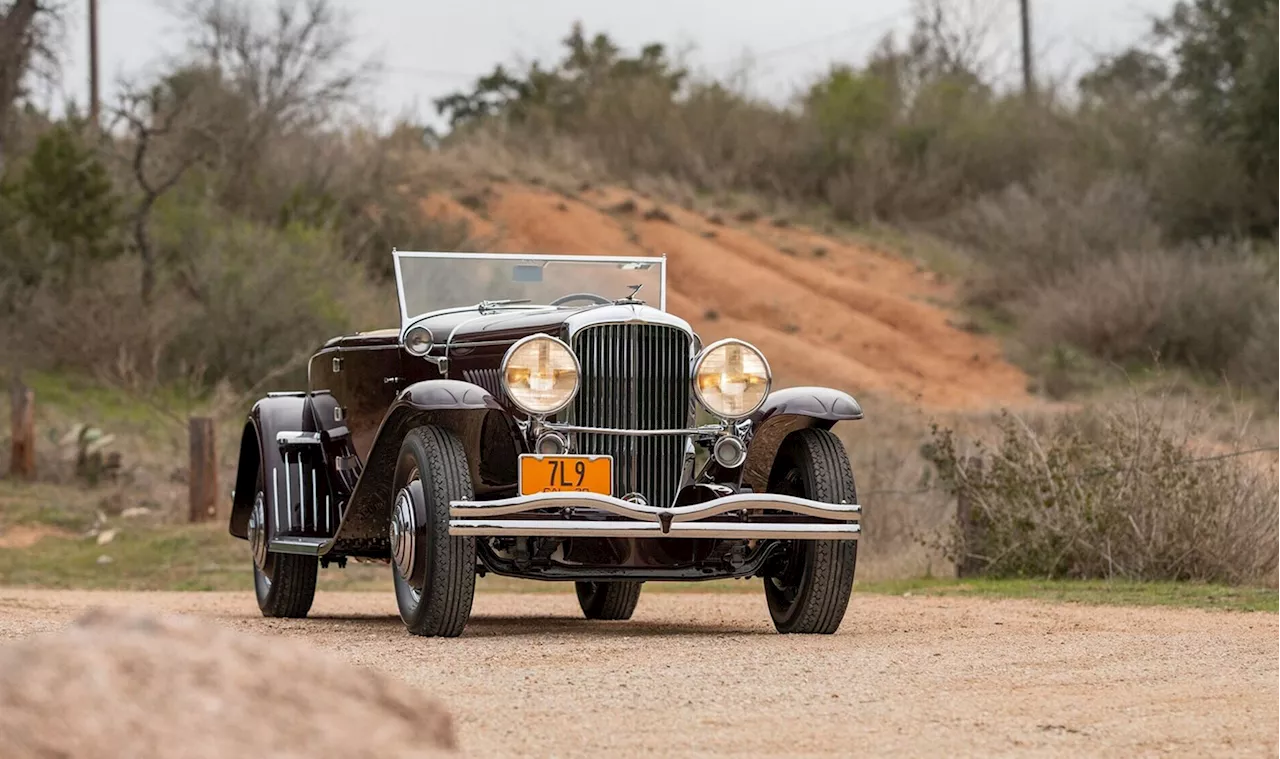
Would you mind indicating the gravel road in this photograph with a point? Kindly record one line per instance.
(698, 674)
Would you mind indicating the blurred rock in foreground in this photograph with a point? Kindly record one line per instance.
(120, 683)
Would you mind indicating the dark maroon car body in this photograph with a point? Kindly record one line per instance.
(321, 461)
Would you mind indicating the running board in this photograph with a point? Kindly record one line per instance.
(304, 546)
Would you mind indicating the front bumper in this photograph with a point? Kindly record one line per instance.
(587, 515)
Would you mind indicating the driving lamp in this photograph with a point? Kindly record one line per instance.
(418, 341)
(731, 378)
(540, 374)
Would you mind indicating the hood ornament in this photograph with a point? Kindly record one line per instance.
(631, 296)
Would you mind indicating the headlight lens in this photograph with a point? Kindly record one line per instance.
(418, 341)
(731, 378)
(540, 374)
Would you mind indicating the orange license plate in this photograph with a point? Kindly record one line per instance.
(566, 474)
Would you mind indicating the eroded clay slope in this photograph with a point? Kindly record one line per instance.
(823, 310)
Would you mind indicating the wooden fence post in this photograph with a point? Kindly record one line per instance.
(202, 487)
(22, 459)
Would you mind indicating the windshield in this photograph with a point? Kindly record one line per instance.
(436, 281)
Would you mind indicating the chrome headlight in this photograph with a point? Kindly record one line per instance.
(731, 378)
(418, 341)
(540, 374)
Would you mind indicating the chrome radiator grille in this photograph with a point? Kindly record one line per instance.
(635, 377)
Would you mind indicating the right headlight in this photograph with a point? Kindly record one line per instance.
(540, 374)
(731, 378)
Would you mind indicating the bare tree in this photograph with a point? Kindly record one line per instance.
(955, 36)
(292, 67)
(168, 136)
(28, 32)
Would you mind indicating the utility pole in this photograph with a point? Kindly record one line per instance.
(94, 105)
(1028, 76)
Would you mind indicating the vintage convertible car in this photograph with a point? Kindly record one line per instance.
(544, 417)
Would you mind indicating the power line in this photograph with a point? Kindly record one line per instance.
(803, 44)
(770, 54)
(431, 73)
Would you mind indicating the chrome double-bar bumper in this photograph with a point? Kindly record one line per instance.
(600, 516)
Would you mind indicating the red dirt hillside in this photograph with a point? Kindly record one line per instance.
(824, 311)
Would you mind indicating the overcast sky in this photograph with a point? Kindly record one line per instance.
(430, 48)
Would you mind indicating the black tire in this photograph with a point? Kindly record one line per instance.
(284, 583)
(809, 591)
(435, 574)
(608, 600)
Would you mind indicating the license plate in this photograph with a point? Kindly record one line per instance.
(566, 474)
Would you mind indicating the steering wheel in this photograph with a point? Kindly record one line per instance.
(589, 297)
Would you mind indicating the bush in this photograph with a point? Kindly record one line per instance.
(58, 214)
(1029, 236)
(1129, 492)
(1203, 308)
(261, 300)
(239, 301)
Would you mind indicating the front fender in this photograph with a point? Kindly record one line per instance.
(784, 412)
(445, 395)
(258, 452)
(453, 404)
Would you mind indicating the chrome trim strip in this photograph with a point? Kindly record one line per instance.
(530, 257)
(706, 430)
(288, 494)
(741, 530)
(659, 261)
(305, 546)
(462, 510)
(604, 314)
(275, 492)
(297, 438)
(315, 502)
(302, 494)
(481, 343)
(404, 316)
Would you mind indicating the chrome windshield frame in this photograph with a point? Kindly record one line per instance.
(398, 255)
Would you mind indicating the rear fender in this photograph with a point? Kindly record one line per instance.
(784, 412)
(457, 406)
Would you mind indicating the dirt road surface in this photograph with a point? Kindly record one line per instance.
(699, 674)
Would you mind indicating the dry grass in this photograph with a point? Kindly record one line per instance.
(902, 507)
(1146, 489)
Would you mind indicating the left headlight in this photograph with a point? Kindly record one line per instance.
(731, 378)
(540, 374)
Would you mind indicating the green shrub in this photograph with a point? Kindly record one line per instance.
(261, 299)
(58, 214)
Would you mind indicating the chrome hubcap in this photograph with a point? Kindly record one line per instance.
(403, 533)
(258, 531)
